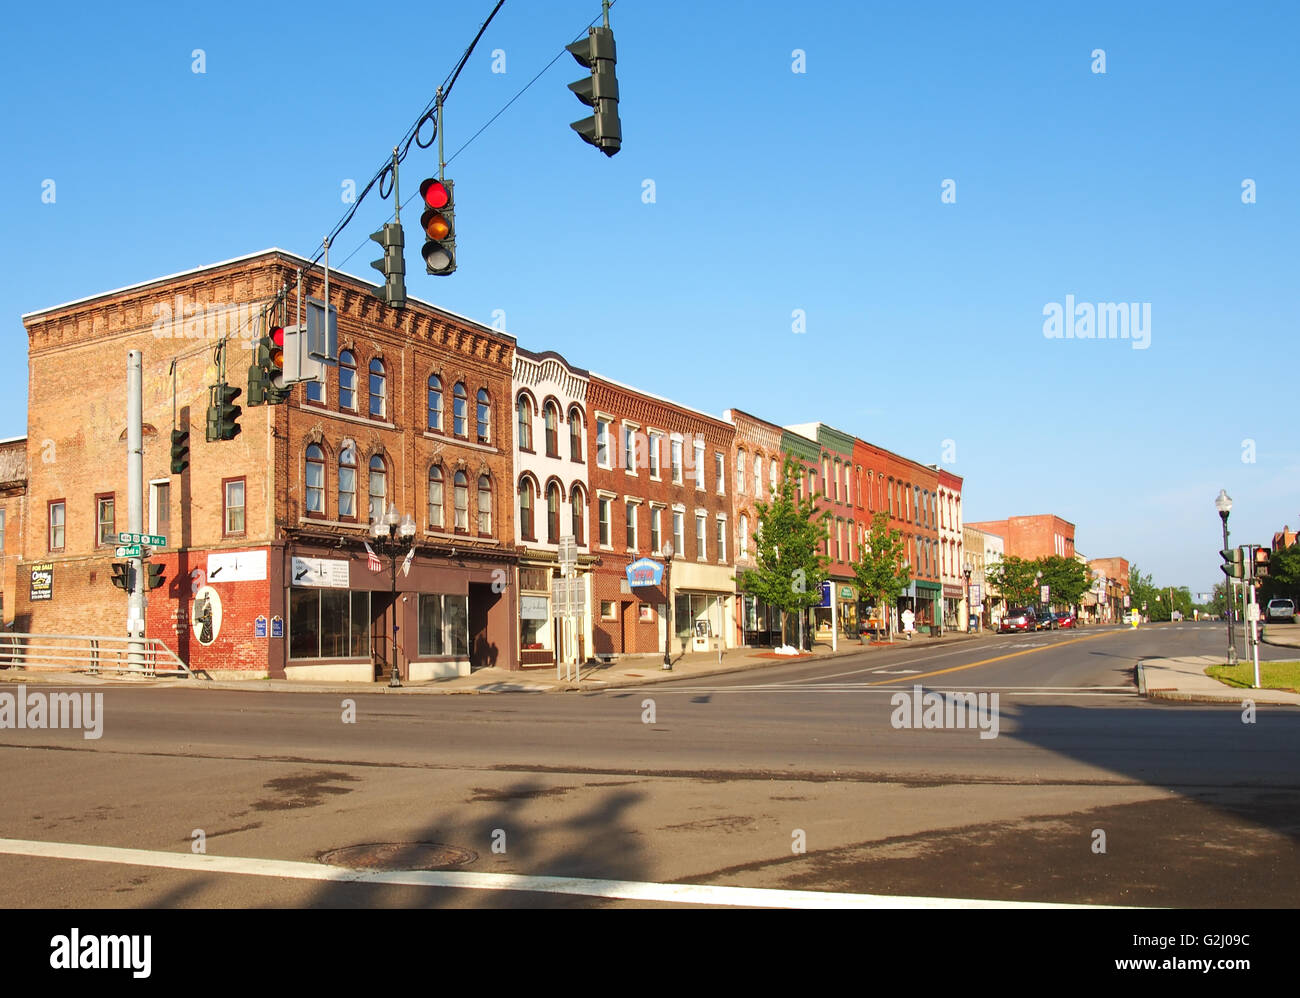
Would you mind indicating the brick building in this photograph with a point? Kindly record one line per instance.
(952, 548)
(13, 505)
(659, 472)
(1033, 536)
(267, 531)
(1110, 577)
(758, 460)
(552, 499)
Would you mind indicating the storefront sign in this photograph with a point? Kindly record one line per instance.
(237, 566)
(826, 593)
(206, 619)
(277, 627)
(645, 572)
(846, 592)
(532, 608)
(42, 581)
(259, 627)
(975, 592)
(321, 573)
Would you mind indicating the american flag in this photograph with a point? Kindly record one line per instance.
(372, 559)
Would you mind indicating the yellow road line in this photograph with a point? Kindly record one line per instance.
(997, 658)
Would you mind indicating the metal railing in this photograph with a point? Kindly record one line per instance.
(90, 653)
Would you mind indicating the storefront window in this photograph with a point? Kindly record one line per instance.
(329, 623)
(444, 625)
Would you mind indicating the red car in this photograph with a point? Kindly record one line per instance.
(1066, 618)
(1019, 618)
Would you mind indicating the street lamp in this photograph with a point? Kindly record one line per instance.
(1223, 503)
(391, 531)
(966, 572)
(668, 601)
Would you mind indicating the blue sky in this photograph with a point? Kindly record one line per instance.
(774, 191)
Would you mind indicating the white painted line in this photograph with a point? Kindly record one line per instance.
(896, 672)
(1063, 691)
(631, 890)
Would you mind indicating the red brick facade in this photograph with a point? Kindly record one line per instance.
(1033, 536)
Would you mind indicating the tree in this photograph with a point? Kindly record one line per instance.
(1067, 578)
(790, 567)
(881, 572)
(1141, 591)
(1014, 579)
(1283, 577)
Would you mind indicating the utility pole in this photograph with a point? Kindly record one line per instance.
(136, 600)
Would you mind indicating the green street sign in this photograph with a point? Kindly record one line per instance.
(153, 540)
(128, 551)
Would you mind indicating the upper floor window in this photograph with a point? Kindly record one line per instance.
(484, 506)
(435, 402)
(460, 486)
(602, 443)
(758, 476)
(701, 542)
(675, 460)
(378, 389)
(579, 513)
(378, 488)
(315, 481)
(348, 482)
(603, 520)
(316, 392)
(551, 429)
(459, 402)
(631, 526)
(720, 471)
(347, 380)
(744, 535)
(699, 464)
(526, 509)
(656, 439)
(437, 518)
(771, 475)
(105, 515)
(524, 422)
(233, 506)
(741, 471)
(629, 449)
(575, 435)
(552, 513)
(483, 416)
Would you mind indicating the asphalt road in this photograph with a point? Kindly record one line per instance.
(1088, 794)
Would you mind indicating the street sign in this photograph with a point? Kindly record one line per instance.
(1045, 592)
(568, 554)
(128, 551)
(975, 592)
(153, 540)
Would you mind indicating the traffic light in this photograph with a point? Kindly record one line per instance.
(155, 575)
(439, 225)
(122, 575)
(392, 264)
(223, 414)
(1261, 563)
(273, 380)
(180, 451)
(599, 91)
(1233, 566)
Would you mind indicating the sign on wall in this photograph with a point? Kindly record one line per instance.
(206, 622)
(321, 573)
(42, 581)
(237, 566)
(645, 572)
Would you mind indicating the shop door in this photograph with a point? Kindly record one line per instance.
(381, 633)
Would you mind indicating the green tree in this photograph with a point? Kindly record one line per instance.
(1141, 591)
(789, 566)
(882, 573)
(1283, 577)
(1067, 578)
(1014, 580)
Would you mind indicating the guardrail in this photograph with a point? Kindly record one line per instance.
(90, 653)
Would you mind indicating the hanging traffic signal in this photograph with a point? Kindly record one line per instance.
(599, 92)
(276, 390)
(223, 414)
(439, 225)
(1261, 563)
(392, 264)
(180, 451)
(1233, 566)
(155, 575)
(122, 575)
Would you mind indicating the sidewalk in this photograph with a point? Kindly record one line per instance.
(1184, 679)
(637, 670)
(1286, 635)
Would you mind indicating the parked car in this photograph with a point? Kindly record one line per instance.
(1047, 621)
(1067, 619)
(1280, 608)
(1019, 618)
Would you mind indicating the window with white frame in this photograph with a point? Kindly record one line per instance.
(758, 476)
(631, 526)
(679, 533)
(744, 536)
(602, 506)
(720, 537)
(701, 542)
(656, 527)
(655, 440)
(602, 443)
(675, 460)
(720, 471)
(699, 464)
(629, 448)
(740, 471)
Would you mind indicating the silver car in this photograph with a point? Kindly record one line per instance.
(1280, 609)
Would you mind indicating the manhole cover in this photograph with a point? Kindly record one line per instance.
(399, 856)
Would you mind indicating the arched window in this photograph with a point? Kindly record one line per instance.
(551, 418)
(435, 402)
(771, 475)
(315, 481)
(524, 420)
(744, 535)
(741, 471)
(378, 390)
(460, 484)
(378, 487)
(575, 435)
(437, 520)
(348, 482)
(579, 514)
(347, 380)
(552, 513)
(758, 476)
(526, 509)
(484, 506)
(459, 401)
(483, 413)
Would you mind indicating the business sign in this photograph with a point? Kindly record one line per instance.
(321, 573)
(532, 607)
(645, 572)
(976, 592)
(206, 619)
(42, 581)
(846, 592)
(237, 566)
(826, 593)
(259, 627)
(1126, 602)
(277, 626)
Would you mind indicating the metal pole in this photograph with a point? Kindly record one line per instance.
(1230, 599)
(136, 601)
(1253, 614)
(835, 626)
(394, 680)
(668, 630)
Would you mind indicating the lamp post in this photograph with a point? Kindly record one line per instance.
(391, 531)
(668, 601)
(966, 572)
(1223, 503)
(1038, 592)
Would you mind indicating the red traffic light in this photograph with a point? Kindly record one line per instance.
(277, 335)
(435, 193)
